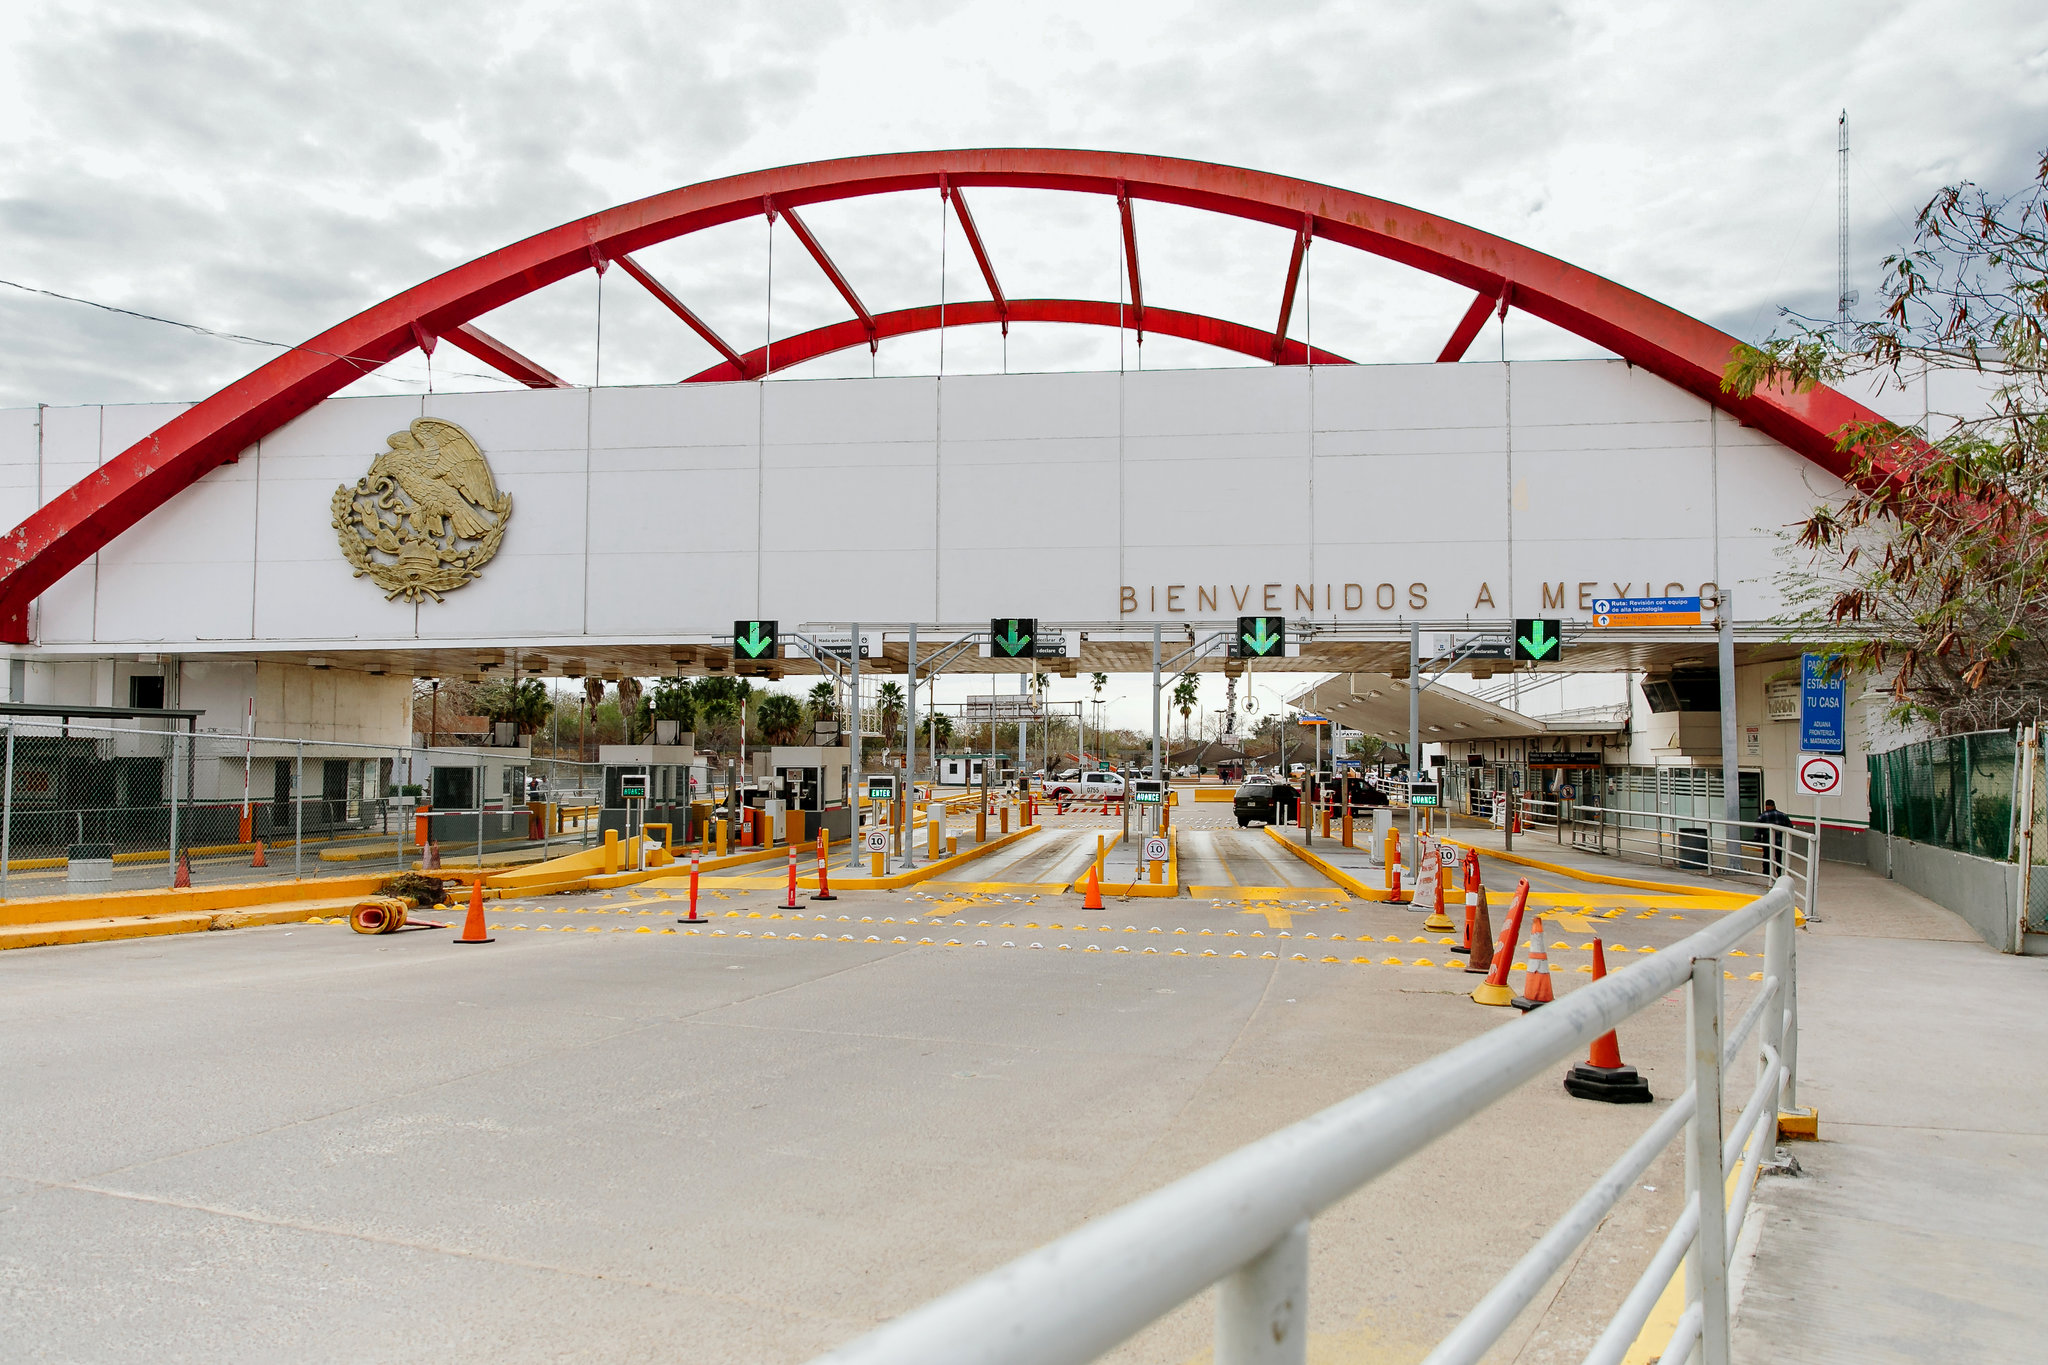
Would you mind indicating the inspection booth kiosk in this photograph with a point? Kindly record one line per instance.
(486, 783)
(667, 768)
(813, 780)
(964, 770)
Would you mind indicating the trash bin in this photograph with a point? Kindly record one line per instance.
(1692, 846)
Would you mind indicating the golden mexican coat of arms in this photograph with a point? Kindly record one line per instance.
(427, 517)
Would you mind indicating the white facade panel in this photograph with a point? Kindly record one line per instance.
(669, 512)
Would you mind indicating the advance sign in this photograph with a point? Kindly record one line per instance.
(1819, 774)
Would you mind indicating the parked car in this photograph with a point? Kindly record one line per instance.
(1089, 787)
(1266, 803)
(1331, 789)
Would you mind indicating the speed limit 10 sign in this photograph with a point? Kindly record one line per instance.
(876, 841)
(1819, 774)
(1155, 850)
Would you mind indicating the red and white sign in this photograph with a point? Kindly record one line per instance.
(1819, 774)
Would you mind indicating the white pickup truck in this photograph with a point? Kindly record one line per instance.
(1087, 787)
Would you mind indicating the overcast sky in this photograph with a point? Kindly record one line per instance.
(271, 169)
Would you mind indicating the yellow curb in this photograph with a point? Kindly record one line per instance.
(163, 901)
(1332, 871)
(1669, 888)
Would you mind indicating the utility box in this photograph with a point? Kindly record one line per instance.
(89, 867)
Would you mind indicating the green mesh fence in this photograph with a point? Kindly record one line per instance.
(1954, 793)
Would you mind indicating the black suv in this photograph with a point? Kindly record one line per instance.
(1270, 803)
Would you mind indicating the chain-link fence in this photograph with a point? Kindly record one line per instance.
(2031, 831)
(1956, 793)
(99, 807)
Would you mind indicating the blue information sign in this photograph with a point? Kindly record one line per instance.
(1823, 695)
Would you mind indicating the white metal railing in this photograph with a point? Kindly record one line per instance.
(1241, 1223)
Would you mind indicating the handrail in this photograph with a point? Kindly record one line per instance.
(1241, 1220)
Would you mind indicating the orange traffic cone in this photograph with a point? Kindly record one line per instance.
(1481, 957)
(1602, 1076)
(1494, 990)
(473, 925)
(1469, 867)
(183, 877)
(1438, 921)
(259, 860)
(1093, 900)
(1536, 989)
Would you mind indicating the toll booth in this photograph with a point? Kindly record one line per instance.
(965, 770)
(669, 786)
(468, 785)
(816, 780)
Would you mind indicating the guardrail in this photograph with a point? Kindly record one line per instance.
(1241, 1223)
(1748, 849)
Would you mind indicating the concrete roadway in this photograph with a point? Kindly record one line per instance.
(608, 1136)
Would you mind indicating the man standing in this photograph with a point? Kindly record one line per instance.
(1774, 842)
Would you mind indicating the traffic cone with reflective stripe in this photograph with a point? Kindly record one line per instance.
(1093, 900)
(694, 917)
(824, 892)
(1438, 921)
(473, 925)
(1536, 988)
(1481, 957)
(789, 902)
(1470, 870)
(1602, 1076)
(1494, 990)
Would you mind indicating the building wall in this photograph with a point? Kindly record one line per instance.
(1371, 492)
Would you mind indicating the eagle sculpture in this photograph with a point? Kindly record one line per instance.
(447, 478)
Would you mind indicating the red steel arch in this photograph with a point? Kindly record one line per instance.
(77, 522)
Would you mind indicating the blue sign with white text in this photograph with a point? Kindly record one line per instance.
(1823, 696)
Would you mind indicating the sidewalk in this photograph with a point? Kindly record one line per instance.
(1915, 1232)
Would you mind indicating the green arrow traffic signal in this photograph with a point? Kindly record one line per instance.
(1005, 632)
(1537, 639)
(1259, 637)
(753, 638)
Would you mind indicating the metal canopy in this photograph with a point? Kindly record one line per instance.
(1376, 704)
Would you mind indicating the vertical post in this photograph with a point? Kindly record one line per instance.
(480, 771)
(7, 815)
(853, 718)
(1706, 1276)
(910, 755)
(1731, 778)
(1155, 701)
(1813, 869)
(299, 813)
(1788, 1044)
(1414, 857)
(174, 806)
(1262, 1306)
(1778, 935)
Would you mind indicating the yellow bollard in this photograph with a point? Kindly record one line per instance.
(952, 844)
(981, 824)
(1101, 856)
(611, 852)
(1158, 873)
(1003, 815)
(1347, 826)
(721, 837)
(875, 862)
(1392, 856)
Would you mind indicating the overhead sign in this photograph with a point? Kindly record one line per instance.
(1819, 774)
(753, 640)
(1308, 718)
(1058, 644)
(1155, 850)
(1823, 697)
(1000, 708)
(1472, 647)
(837, 643)
(875, 840)
(1537, 639)
(1646, 611)
(1259, 637)
(1575, 759)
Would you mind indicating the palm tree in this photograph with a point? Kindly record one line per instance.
(1100, 681)
(781, 717)
(1185, 693)
(889, 698)
(824, 702)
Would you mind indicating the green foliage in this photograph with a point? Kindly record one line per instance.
(524, 703)
(1933, 566)
(889, 698)
(823, 702)
(781, 718)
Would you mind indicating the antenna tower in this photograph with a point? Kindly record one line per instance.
(1845, 297)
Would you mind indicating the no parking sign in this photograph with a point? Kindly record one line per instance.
(1819, 774)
